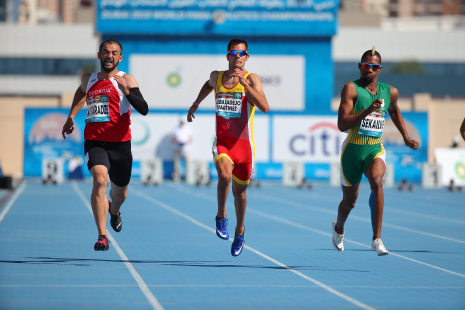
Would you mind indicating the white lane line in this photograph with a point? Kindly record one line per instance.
(388, 209)
(428, 216)
(15, 196)
(322, 232)
(230, 285)
(194, 221)
(345, 239)
(140, 282)
(355, 217)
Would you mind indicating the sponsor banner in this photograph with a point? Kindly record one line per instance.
(311, 139)
(43, 140)
(407, 162)
(452, 163)
(151, 136)
(179, 78)
(316, 139)
(274, 171)
(219, 17)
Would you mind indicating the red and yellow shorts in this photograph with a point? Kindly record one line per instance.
(240, 152)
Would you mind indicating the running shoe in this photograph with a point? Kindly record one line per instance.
(102, 244)
(338, 239)
(237, 245)
(378, 246)
(116, 221)
(222, 228)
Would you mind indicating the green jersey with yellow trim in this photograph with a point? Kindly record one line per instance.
(370, 129)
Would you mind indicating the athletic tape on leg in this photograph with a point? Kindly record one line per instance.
(371, 203)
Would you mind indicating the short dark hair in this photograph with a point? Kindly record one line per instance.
(111, 41)
(237, 42)
(369, 53)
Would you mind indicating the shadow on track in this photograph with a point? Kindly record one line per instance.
(210, 264)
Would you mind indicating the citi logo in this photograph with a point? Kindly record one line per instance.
(99, 91)
(323, 139)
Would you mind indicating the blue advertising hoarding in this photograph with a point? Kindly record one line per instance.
(219, 17)
(407, 162)
(43, 139)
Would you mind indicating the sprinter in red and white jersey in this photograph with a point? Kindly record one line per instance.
(109, 95)
(237, 93)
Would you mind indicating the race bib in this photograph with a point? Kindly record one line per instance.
(228, 104)
(373, 124)
(97, 109)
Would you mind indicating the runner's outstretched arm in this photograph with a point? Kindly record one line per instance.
(397, 119)
(206, 89)
(78, 103)
(345, 119)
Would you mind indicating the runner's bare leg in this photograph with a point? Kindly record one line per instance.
(224, 168)
(350, 195)
(240, 203)
(374, 173)
(118, 196)
(98, 198)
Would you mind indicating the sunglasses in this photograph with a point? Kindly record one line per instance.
(240, 52)
(372, 66)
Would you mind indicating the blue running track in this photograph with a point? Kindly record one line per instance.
(168, 257)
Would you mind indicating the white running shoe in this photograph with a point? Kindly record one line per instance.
(378, 246)
(338, 239)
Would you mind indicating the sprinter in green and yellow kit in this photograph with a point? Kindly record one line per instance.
(362, 112)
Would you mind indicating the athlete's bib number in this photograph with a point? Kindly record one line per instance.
(229, 104)
(373, 124)
(97, 109)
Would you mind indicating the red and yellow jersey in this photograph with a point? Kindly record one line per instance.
(234, 129)
(108, 111)
(234, 113)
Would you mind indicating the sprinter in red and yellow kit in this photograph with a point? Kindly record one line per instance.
(237, 94)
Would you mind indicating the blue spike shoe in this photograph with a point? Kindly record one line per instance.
(237, 245)
(222, 228)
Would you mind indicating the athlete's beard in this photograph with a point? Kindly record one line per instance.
(367, 79)
(102, 65)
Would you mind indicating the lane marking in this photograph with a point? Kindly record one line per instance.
(348, 240)
(428, 216)
(140, 282)
(279, 219)
(230, 285)
(390, 209)
(194, 221)
(15, 196)
(364, 219)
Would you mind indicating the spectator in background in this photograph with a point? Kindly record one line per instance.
(462, 130)
(181, 138)
(455, 142)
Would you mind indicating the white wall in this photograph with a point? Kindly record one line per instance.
(398, 45)
(48, 41)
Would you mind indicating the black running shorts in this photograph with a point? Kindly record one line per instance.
(116, 156)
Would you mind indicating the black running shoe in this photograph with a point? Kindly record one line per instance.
(115, 221)
(103, 244)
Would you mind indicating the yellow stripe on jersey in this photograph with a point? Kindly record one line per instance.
(240, 181)
(252, 114)
(357, 138)
(380, 153)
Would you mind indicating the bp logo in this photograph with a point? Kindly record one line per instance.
(460, 170)
(173, 79)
